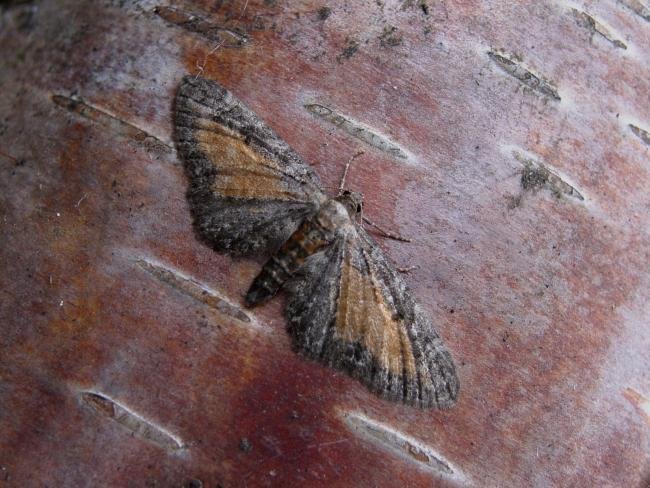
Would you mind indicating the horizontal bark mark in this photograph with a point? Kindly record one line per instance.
(536, 175)
(640, 133)
(638, 8)
(142, 428)
(225, 36)
(515, 69)
(126, 129)
(595, 27)
(398, 442)
(194, 290)
(357, 130)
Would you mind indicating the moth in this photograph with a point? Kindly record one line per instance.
(251, 194)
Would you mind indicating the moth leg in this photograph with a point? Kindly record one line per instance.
(408, 269)
(385, 233)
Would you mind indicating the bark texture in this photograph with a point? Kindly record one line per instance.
(509, 140)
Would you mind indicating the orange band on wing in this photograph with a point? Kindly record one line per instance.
(364, 317)
(243, 172)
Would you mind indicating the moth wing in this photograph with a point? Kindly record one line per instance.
(248, 189)
(350, 309)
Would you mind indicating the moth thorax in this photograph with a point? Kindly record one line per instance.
(352, 201)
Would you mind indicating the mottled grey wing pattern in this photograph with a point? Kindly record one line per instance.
(249, 190)
(349, 308)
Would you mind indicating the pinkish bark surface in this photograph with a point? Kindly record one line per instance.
(125, 356)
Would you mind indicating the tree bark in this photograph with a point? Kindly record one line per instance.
(508, 140)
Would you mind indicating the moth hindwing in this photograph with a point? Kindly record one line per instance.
(348, 307)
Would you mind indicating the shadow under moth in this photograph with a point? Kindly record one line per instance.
(347, 307)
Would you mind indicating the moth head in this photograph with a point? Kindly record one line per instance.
(352, 200)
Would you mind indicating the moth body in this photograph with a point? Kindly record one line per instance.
(347, 306)
(314, 233)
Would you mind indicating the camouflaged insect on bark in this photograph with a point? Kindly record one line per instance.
(250, 193)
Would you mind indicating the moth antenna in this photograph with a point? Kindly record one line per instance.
(385, 233)
(347, 167)
(243, 10)
(201, 67)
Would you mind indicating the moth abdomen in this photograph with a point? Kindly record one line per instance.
(308, 239)
(268, 282)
